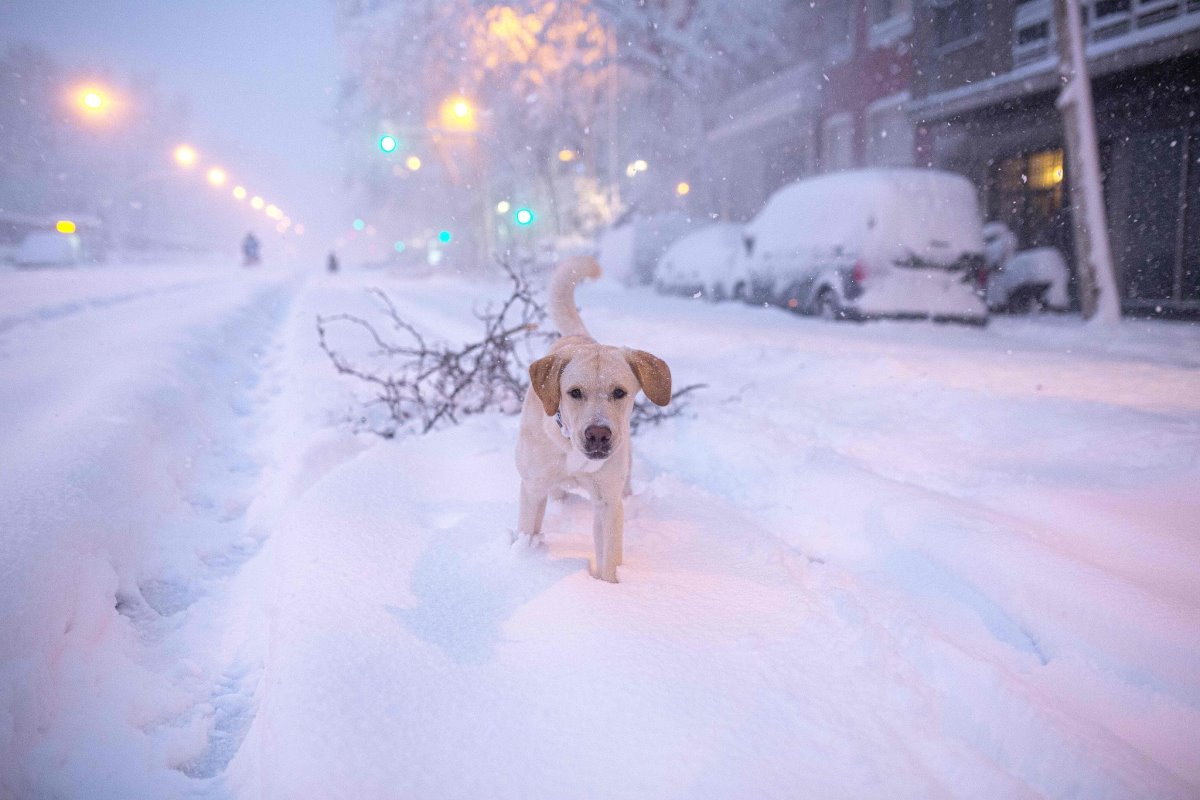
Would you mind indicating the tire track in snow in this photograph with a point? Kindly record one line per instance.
(136, 538)
(70, 308)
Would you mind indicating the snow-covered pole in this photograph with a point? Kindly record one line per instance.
(1093, 256)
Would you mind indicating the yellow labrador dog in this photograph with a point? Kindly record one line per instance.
(575, 421)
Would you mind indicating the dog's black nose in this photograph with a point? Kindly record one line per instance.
(597, 437)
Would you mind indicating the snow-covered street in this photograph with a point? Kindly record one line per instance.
(891, 559)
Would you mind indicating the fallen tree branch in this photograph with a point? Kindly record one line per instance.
(419, 384)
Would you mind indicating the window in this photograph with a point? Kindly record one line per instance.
(954, 21)
(1026, 193)
(889, 20)
(1032, 32)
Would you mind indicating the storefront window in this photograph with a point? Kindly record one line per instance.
(1027, 194)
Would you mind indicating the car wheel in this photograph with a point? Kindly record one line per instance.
(827, 305)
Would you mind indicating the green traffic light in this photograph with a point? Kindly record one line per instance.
(523, 217)
(388, 143)
(444, 237)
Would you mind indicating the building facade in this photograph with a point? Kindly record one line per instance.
(983, 104)
(842, 104)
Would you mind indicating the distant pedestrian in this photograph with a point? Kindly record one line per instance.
(332, 263)
(250, 250)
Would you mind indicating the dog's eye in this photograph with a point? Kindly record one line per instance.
(618, 393)
(576, 394)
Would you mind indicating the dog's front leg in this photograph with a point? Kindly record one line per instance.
(607, 532)
(531, 512)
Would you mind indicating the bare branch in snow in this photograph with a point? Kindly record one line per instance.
(420, 384)
(646, 413)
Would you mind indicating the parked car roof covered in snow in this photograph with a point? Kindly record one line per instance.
(701, 257)
(930, 215)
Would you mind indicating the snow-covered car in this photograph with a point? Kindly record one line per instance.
(870, 243)
(630, 251)
(1022, 280)
(49, 249)
(701, 263)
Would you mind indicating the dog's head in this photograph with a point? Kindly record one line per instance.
(592, 387)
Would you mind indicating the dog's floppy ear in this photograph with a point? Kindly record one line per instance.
(653, 373)
(544, 375)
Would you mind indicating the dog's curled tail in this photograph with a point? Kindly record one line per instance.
(567, 275)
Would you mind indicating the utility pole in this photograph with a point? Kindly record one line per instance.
(1093, 256)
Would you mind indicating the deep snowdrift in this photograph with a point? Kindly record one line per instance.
(882, 560)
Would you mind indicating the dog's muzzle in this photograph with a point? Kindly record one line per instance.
(597, 441)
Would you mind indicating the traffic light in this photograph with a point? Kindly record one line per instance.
(388, 143)
(523, 217)
(444, 237)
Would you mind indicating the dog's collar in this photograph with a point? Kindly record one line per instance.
(561, 427)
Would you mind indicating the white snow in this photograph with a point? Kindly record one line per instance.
(48, 248)
(1039, 266)
(880, 215)
(703, 258)
(891, 560)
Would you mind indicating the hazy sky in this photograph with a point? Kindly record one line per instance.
(260, 78)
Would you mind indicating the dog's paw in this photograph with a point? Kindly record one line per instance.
(528, 541)
(607, 575)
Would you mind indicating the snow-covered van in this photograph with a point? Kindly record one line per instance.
(701, 262)
(870, 243)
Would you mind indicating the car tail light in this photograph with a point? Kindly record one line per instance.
(860, 272)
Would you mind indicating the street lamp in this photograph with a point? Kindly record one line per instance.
(413, 163)
(93, 101)
(239, 192)
(185, 156)
(682, 188)
(457, 114)
(217, 177)
(257, 203)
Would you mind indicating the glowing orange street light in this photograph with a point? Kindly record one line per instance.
(65, 226)
(565, 155)
(274, 212)
(185, 156)
(457, 114)
(217, 176)
(682, 188)
(93, 100)
(257, 202)
(413, 163)
(239, 192)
